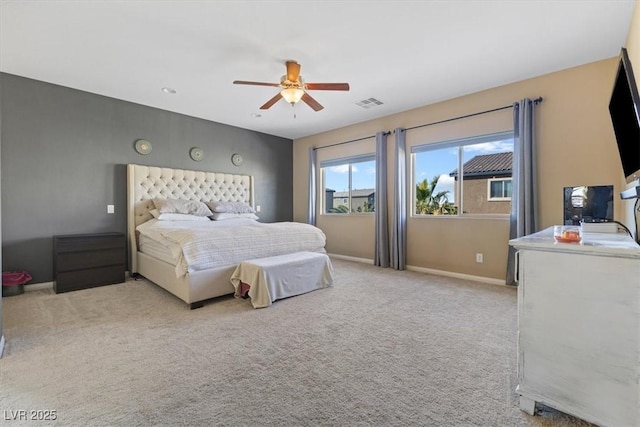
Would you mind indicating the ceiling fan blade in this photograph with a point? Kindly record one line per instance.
(270, 102)
(312, 102)
(327, 86)
(243, 82)
(293, 71)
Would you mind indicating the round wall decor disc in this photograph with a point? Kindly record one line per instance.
(236, 159)
(143, 146)
(196, 154)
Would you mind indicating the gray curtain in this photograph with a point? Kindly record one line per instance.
(381, 255)
(311, 215)
(399, 218)
(524, 201)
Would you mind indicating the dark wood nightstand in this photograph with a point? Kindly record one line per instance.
(83, 261)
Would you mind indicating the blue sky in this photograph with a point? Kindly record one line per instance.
(363, 176)
(427, 165)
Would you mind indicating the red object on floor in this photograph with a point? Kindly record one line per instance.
(244, 290)
(12, 278)
(13, 281)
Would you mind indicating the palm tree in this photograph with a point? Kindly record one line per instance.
(339, 209)
(368, 206)
(431, 203)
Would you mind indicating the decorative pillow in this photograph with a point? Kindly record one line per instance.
(230, 207)
(154, 213)
(188, 207)
(219, 216)
(181, 217)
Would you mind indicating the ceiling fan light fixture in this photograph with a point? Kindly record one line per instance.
(292, 94)
(294, 89)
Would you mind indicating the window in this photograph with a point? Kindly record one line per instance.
(499, 189)
(434, 186)
(349, 185)
(486, 165)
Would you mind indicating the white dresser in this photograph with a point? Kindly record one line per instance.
(579, 326)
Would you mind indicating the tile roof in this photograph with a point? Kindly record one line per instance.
(487, 164)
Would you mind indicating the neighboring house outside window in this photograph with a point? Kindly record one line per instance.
(486, 185)
(486, 162)
(348, 184)
(361, 200)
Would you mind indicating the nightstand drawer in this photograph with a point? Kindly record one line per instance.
(82, 279)
(88, 242)
(89, 259)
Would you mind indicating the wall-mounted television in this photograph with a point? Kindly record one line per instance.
(624, 108)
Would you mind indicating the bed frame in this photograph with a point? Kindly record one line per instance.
(145, 183)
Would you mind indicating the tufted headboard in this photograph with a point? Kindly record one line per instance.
(145, 183)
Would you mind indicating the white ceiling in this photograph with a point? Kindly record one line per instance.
(404, 53)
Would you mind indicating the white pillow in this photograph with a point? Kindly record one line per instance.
(230, 207)
(219, 216)
(180, 217)
(189, 207)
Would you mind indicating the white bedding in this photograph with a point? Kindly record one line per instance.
(156, 250)
(202, 245)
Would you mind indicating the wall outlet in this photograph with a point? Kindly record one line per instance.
(257, 208)
(110, 209)
(479, 258)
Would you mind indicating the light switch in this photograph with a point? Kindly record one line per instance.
(257, 208)
(110, 209)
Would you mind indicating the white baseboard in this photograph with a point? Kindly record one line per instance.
(482, 279)
(351, 258)
(49, 285)
(1, 345)
(38, 286)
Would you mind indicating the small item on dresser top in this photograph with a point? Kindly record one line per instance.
(599, 227)
(567, 233)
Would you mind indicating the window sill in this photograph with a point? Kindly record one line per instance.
(347, 214)
(503, 217)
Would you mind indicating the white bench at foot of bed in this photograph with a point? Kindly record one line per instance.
(283, 276)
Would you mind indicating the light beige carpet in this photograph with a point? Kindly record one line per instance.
(381, 348)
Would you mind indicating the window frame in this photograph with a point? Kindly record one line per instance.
(350, 160)
(458, 143)
(498, 199)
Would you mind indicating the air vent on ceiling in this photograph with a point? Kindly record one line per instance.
(369, 103)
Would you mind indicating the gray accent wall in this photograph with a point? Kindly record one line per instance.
(64, 157)
(1, 333)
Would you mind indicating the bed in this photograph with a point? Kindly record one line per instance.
(186, 258)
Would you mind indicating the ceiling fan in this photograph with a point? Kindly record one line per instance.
(294, 88)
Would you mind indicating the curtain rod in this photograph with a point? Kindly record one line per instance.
(535, 101)
(347, 142)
